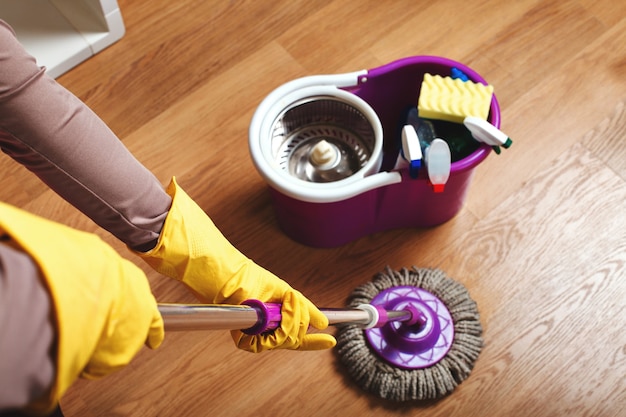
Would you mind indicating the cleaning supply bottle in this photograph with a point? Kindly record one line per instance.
(438, 164)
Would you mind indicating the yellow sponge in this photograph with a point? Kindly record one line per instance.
(445, 98)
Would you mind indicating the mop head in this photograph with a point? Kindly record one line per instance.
(426, 374)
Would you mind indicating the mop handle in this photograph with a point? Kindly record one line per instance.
(256, 317)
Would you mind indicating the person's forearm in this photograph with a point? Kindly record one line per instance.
(56, 136)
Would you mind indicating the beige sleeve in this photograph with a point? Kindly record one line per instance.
(26, 331)
(56, 136)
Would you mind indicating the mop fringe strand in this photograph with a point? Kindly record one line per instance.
(376, 375)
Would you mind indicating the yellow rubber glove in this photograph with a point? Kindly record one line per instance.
(191, 249)
(104, 311)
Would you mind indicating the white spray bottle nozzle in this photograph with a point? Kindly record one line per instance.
(438, 162)
(485, 132)
(412, 149)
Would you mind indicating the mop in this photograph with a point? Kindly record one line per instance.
(406, 335)
(425, 358)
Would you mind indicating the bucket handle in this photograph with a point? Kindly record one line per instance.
(349, 79)
(310, 193)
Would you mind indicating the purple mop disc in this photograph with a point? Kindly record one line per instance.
(412, 346)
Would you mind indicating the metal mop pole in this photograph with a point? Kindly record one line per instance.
(207, 317)
(264, 316)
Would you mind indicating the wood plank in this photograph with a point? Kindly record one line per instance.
(552, 116)
(180, 45)
(608, 12)
(550, 305)
(606, 141)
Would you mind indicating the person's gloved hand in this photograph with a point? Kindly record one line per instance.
(191, 249)
(104, 311)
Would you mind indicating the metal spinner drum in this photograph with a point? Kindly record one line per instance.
(322, 139)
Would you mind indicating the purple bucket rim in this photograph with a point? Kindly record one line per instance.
(483, 151)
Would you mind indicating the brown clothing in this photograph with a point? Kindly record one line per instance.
(52, 133)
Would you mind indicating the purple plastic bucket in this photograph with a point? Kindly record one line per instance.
(410, 202)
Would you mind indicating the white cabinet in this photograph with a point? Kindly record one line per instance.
(63, 33)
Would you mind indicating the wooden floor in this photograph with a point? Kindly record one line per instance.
(540, 242)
